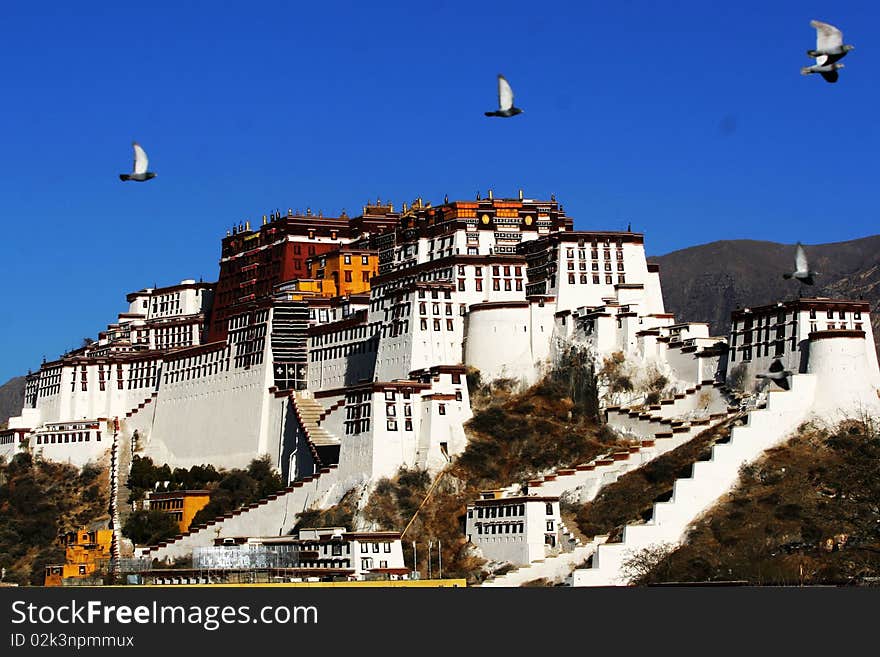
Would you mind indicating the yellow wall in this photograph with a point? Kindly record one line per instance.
(336, 268)
(192, 504)
(84, 549)
(182, 507)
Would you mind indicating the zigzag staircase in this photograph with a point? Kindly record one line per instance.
(553, 569)
(274, 515)
(709, 480)
(323, 444)
(134, 411)
(583, 482)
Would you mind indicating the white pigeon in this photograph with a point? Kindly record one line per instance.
(778, 374)
(801, 267)
(829, 50)
(505, 100)
(139, 171)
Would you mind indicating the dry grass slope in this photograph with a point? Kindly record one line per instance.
(807, 513)
(512, 438)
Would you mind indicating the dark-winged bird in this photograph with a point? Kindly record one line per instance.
(829, 50)
(139, 170)
(801, 268)
(778, 374)
(505, 100)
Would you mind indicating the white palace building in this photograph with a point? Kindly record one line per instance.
(339, 345)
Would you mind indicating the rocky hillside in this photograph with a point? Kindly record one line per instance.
(513, 436)
(704, 283)
(11, 398)
(40, 501)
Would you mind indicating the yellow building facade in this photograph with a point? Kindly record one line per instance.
(85, 551)
(182, 504)
(344, 271)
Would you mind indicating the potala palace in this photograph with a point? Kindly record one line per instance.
(339, 346)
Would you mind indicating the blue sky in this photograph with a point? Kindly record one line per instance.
(689, 119)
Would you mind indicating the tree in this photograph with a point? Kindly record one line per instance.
(148, 527)
(642, 566)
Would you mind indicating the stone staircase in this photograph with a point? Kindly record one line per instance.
(552, 570)
(583, 482)
(323, 444)
(709, 480)
(274, 515)
(134, 411)
(645, 421)
(335, 406)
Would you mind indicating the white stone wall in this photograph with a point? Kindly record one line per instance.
(513, 529)
(77, 442)
(499, 343)
(220, 418)
(847, 385)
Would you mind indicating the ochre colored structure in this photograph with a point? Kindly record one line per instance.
(85, 551)
(344, 271)
(182, 504)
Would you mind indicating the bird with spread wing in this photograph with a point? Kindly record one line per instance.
(139, 169)
(505, 100)
(829, 50)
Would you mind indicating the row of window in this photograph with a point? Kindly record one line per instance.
(329, 353)
(609, 280)
(595, 266)
(167, 504)
(357, 426)
(423, 324)
(343, 335)
(594, 253)
(435, 308)
(75, 437)
(501, 528)
(506, 510)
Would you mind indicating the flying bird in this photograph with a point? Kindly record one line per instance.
(505, 100)
(801, 268)
(139, 172)
(829, 50)
(778, 374)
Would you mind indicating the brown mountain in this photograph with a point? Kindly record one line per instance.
(704, 283)
(11, 398)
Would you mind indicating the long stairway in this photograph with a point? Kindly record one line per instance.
(583, 482)
(553, 570)
(323, 444)
(274, 515)
(709, 480)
